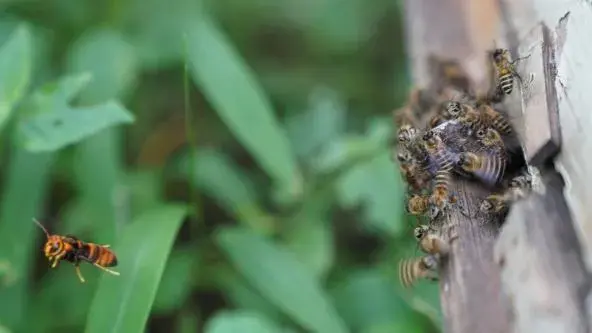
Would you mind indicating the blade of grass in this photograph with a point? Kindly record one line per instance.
(190, 137)
(111, 60)
(15, 66)
(22, 198)
(122, 303)
(98, 172)
(240, 321)
(281, 278)
(230, 86)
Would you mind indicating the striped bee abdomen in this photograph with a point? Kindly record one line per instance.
(506, 83)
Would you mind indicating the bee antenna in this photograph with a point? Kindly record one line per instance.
(41, 226)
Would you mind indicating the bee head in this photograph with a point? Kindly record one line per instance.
(486, 206)
(481, 133)
(420, 232)
(499, 54)
(53, 246)
(468, 160)
(406, 133)
(453, 109)
(492, 136)
(404, 156)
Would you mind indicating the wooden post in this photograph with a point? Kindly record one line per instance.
(462, 30)
(537, 280)
(544, 278)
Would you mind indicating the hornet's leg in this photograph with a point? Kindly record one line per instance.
(78, 273)
(106, 269)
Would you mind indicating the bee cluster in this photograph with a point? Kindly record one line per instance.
(467, 136)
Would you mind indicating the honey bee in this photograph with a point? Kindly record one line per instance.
(489, 168)
(406, 134)
(430, 242)
(418, 204)
(491, 139)
(411, 270)
(505, 70)
(496, 120)
(441, 198)
(437, 151)
(523, 181)
(472, 118)
(519, 188)
(412, 171)
(73, 250)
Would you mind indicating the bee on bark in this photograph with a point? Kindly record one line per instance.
(447, 110)
(505, 70)
(413, 172)
(520, 187)
(489, 167)
(407, 134)
(73, 250)
(496, 120)
(411, 270)
(418, 204)
(430, 242)
(472, 118)
(437, 150)
(490, 139)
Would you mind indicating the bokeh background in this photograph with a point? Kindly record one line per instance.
(233, 153)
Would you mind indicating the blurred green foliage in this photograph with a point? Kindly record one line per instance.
(234, 154)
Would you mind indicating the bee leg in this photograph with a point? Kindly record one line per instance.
(519, 59)
(106, 269)
(55, 263)
(78, 273)
(106, 245)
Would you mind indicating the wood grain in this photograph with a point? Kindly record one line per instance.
(540, 135)
(544, 277)
(470, 280)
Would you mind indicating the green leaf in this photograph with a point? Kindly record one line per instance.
(4, 329)
(122, 303)
(312, 242)
(111, 61)
(371, 180)
(53, 95)
(53, 131)
(51, 288)
(187, 322)
(145, 189)
(240, 321)
(366, 298)
(319, 125)
(157, 38)
(230, 86)
(15, 70)
(51, 123)
(22, 196)
(377, 186)
(98, 172)
(106, 55)
(219, 178)
(281, 278)
(243, 296)
(175, 286)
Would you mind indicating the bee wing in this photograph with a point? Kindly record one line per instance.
(492, 169)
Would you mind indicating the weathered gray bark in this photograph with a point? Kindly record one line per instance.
(462, 30)
(538, 280)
